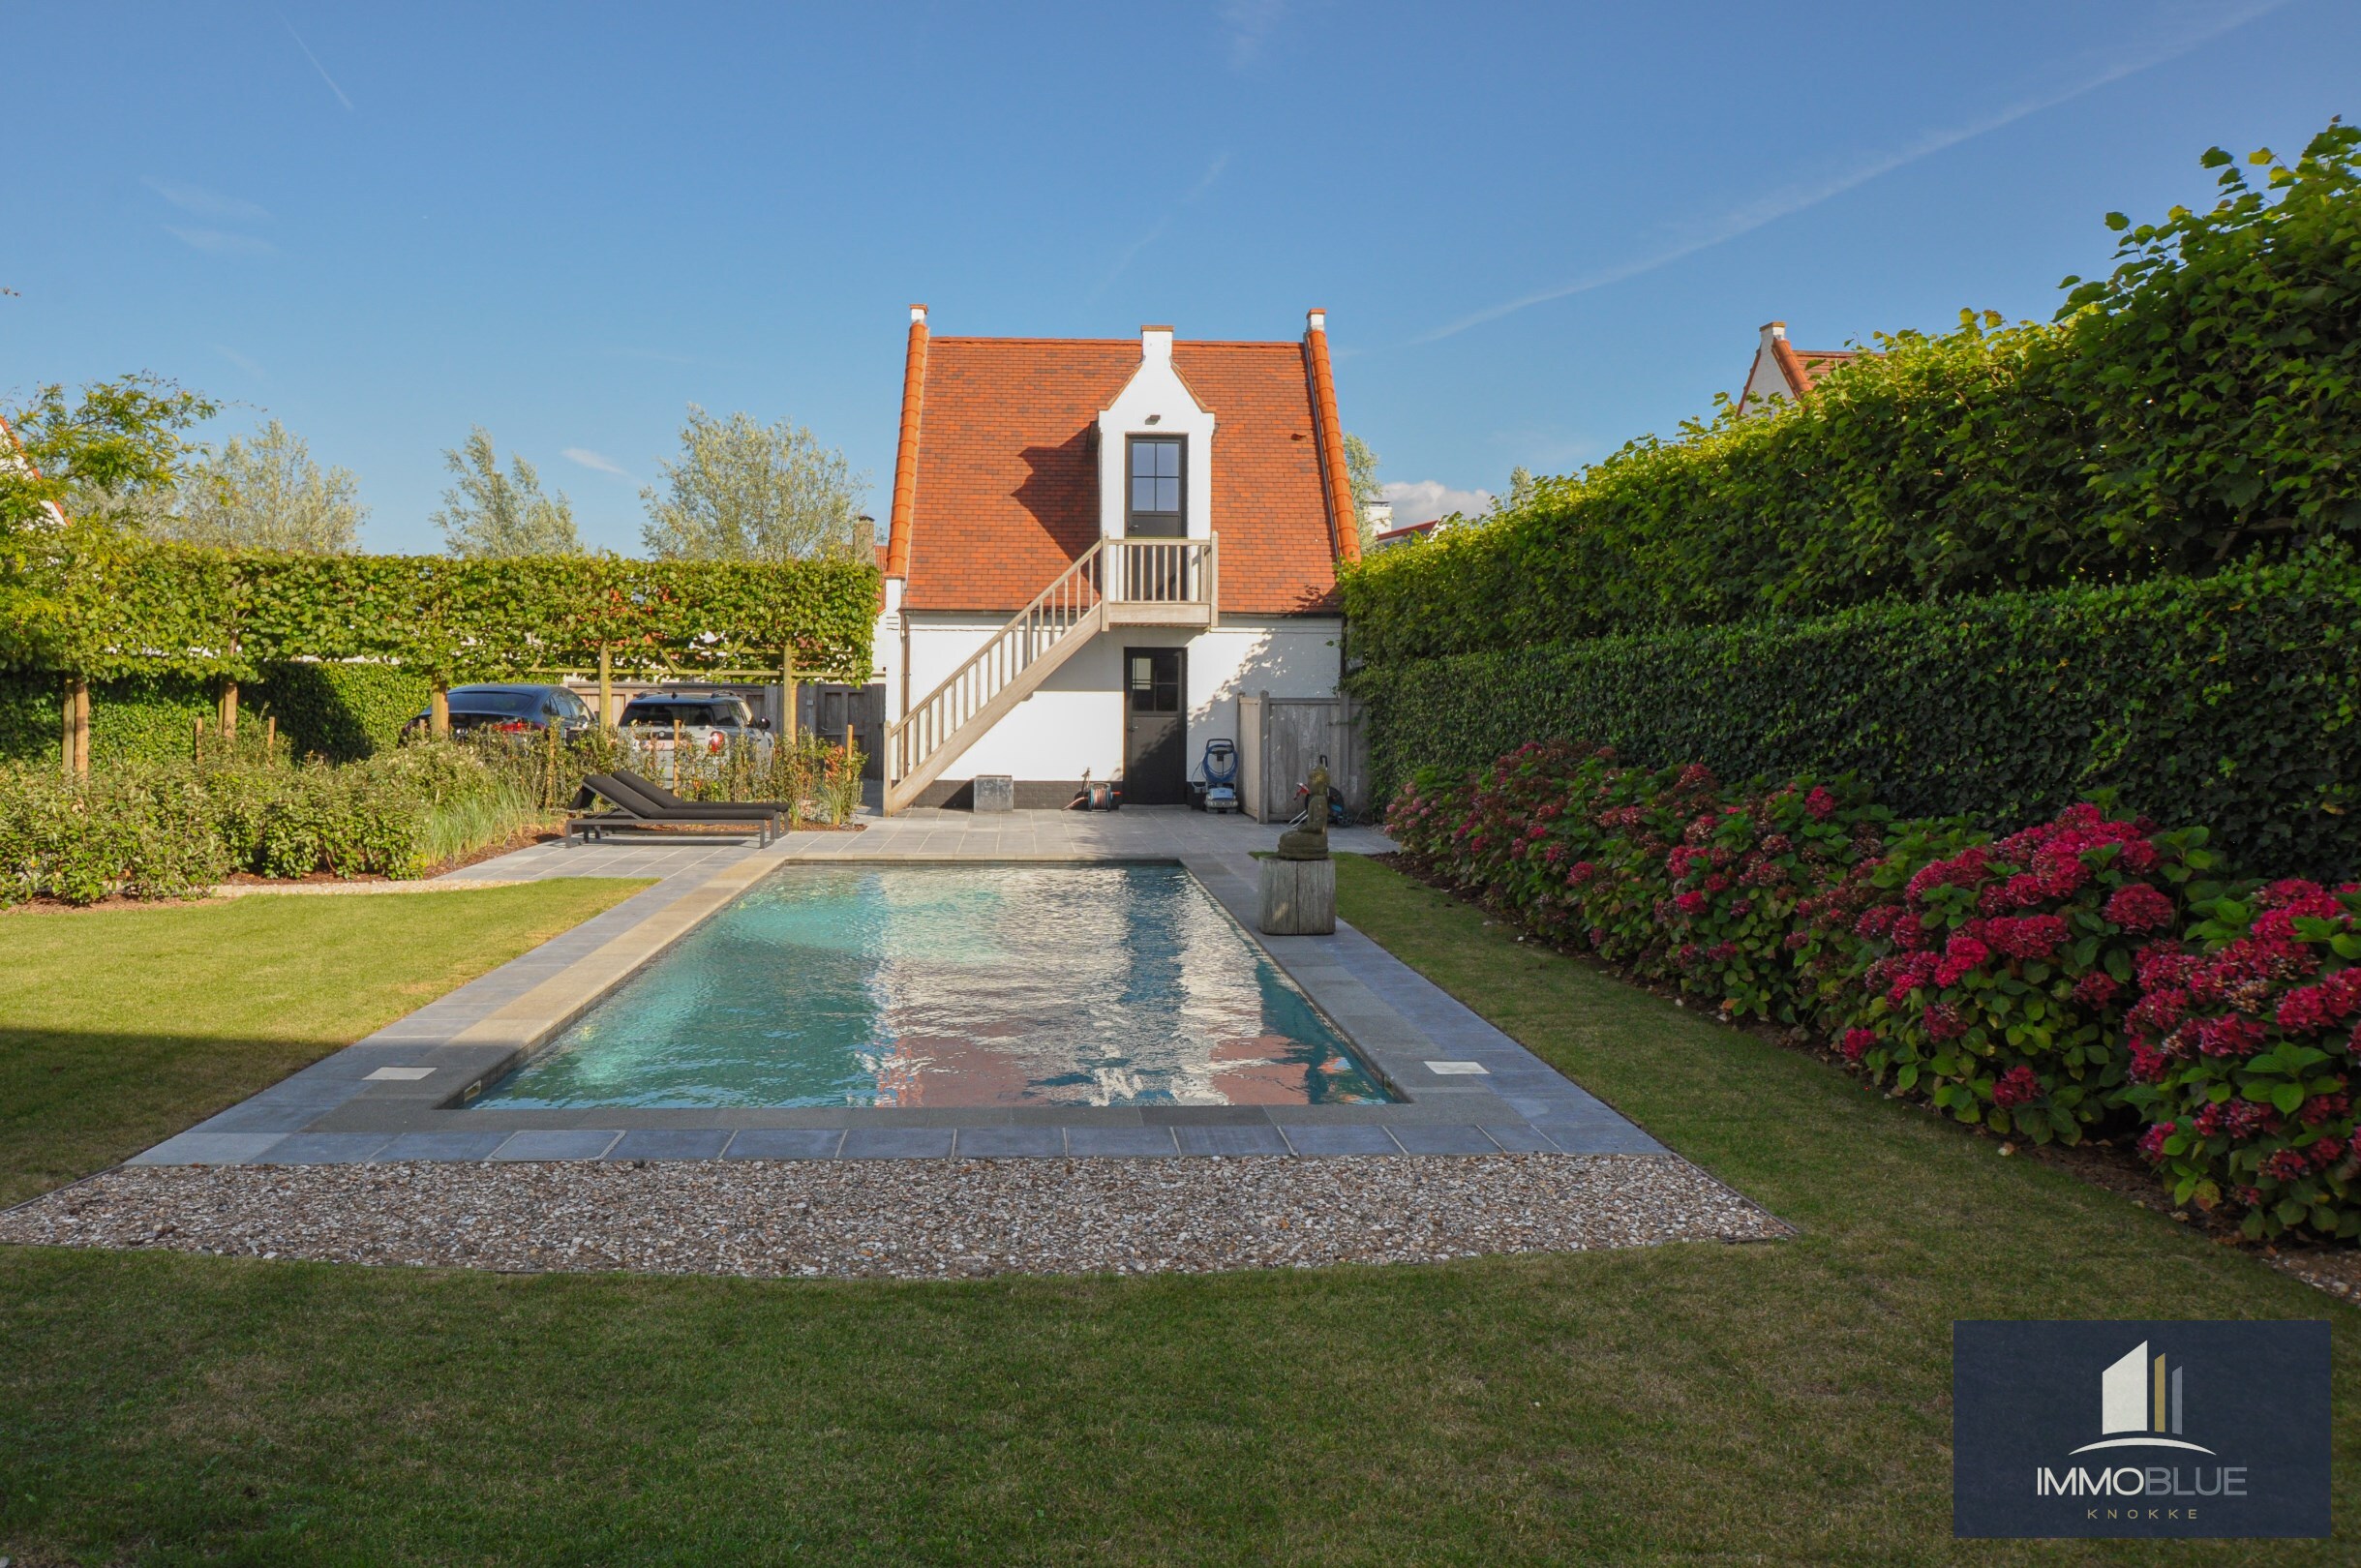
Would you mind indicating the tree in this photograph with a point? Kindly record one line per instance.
(1521, 486)
(1361, 472)
(119, 449)
(267, 493)
(741, 491)
(487, 513)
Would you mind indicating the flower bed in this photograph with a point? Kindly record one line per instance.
(2075, 976)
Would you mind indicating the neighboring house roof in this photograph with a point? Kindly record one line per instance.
(996, 476)
(1403, 534)
(1781, 369)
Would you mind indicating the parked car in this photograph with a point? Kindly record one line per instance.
(705, 720)
(511, 708)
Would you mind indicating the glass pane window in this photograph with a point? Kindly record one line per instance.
(1157, 481)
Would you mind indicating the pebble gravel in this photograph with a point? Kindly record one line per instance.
(909, 1218)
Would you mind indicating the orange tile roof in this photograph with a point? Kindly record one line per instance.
(996, 480)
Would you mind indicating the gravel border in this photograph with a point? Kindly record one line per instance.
(922, 1220)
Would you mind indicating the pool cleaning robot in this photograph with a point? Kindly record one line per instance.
(1220, 767)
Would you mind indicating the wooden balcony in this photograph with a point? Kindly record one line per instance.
(1162, 583)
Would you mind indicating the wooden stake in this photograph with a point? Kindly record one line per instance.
(606, 688)
(229, 711)
(787, 694)
(438, 712)
(73, 749)
(270, 737)
(197, 739)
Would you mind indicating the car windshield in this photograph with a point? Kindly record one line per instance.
(669, 711)
(481, 701)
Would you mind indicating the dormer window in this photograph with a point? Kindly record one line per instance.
(1156, 507)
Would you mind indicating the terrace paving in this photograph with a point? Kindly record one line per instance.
(335, 1113)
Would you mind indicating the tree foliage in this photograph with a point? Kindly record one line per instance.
(1361, 472)
(743, 491)
(2201, 403)
(267, 493)
(117, 440)
(486, 515)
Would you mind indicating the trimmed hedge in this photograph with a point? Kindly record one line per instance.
(2195, 405)
(341, 712)
(2232, 700)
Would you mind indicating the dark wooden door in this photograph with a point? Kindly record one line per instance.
(1155, 726)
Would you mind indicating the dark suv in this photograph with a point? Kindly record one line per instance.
(514, 709)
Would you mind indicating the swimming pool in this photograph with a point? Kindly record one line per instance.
(913, 985)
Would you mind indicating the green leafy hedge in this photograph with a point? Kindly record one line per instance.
(341, 712)
(2200, 403)
(2234, 701)
(118, 606)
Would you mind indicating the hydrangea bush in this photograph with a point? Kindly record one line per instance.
(2241, 1052)
(1997, 982)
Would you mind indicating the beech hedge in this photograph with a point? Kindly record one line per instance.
(118, 607)
(2195, 405)
(2077, 977)
(2226, 700)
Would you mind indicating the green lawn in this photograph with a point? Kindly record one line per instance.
(1784, 1402)
(119, 1027)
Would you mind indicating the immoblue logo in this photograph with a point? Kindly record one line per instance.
(2196, 1430)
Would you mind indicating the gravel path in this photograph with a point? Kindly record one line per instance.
(914, 1219)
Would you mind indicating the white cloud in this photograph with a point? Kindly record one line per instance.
(1769, 208)
(1422, 500)
(206, 203)
(218, 242)
(598, 462)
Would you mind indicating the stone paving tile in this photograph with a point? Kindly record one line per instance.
(1585, 1138)
(669, 1143)
(991, 1142)
(1316, 1138)
(1230, 1140)
(460, 1146)
(1444, 1140)
(207, 1149)
(1517, 1138)
(263, 1116)
(785, 1143)
(324, 1149)
(896, 1142)
(580, 1144)
(1116, 1142)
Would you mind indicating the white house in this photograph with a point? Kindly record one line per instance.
(1781, 371)
(1096, 545)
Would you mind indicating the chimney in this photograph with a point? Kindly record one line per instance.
(1771, 331)
(1315, 321)
(1155, 345)
(918, 313)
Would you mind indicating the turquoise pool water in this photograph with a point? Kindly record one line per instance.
(953, 985)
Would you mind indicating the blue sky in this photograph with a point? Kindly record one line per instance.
(1538, 231)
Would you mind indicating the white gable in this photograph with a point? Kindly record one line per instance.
(1156, 402)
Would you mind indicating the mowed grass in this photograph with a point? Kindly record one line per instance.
(1782, 1403)
(121, 1026)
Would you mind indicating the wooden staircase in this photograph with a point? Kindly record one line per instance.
(1114, 582)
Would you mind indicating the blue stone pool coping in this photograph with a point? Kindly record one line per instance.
(1397, 1022)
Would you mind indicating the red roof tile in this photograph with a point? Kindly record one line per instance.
(1002, 486)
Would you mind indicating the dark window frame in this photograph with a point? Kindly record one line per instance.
(1173, 524)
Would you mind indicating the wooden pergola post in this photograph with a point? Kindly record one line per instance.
(229, 713)
(77, 738)
(787, 695)
(606, 688)
(438, 711)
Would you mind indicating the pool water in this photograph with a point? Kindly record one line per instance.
(953, 985)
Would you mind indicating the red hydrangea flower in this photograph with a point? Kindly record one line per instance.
(2096, 989)
(1943, 1021)
(2137, 907)
(1857, 1040)
(2019, 1086)
(2151, 1142)
(2287, 1165)
(1690, 902)
(1820, 805)
(2148, 1066)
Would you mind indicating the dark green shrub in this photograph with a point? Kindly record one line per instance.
(2228, 701)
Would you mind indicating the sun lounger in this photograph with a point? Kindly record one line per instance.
(664, 796)
(631, 809)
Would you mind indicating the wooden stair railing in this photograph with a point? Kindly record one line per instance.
(1009, 666)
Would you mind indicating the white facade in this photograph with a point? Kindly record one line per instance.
(1075, 724)
(1154, 402)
